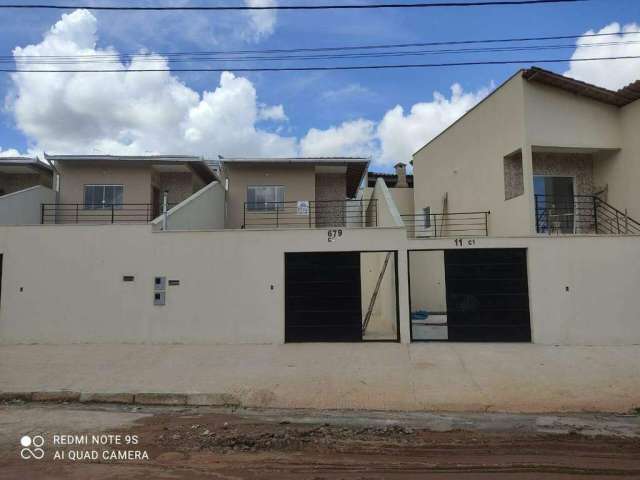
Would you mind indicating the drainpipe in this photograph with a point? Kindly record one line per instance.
(165, 195)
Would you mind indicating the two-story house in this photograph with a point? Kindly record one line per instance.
(293, 192)
(542, 154)
(122, 189)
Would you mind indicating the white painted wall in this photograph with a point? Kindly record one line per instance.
(428, 285)
(555, 117)
(24, 207)
(402, 197)
(63, 283)
(619, 171)
(202, 210)
(601, 306)
(387, 212)
(72, 288)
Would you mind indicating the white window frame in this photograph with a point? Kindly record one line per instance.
(102, 205)
(267, 205)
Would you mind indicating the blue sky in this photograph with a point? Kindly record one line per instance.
(326, 113)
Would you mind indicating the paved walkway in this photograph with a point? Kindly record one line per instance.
(434, 376)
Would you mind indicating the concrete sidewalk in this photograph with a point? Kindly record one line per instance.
(431, 377)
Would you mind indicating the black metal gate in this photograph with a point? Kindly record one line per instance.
(323, 297)
(487, 295)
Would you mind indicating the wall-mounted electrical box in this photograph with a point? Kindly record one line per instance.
(159, 283)
(159, 287)
(159, 298)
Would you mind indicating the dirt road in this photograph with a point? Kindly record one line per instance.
(194, 443)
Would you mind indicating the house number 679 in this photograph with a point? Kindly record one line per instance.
(333, 234)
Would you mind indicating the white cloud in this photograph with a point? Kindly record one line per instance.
(132, 113)
(12, 152)
(611, 74)
(348, 92)
(397, 136)
(354, 138)
(262, 23)
(401, 135)
(274, 113)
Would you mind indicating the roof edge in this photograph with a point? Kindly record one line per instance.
(459, 119)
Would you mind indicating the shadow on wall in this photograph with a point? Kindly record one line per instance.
(379, 295)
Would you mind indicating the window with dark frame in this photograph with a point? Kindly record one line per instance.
(427, 217)
(265, 198)
(100, 197)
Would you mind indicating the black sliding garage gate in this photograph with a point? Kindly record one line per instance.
(486, 295)
(322, 297)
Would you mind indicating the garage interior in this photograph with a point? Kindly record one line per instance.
(341, 297)
(469, 295)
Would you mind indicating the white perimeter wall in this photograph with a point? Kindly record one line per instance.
(63, 283)
(24, 207)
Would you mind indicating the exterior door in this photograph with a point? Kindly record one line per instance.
(555, 204)
(155, 203)
(323, 297)
(487, 295)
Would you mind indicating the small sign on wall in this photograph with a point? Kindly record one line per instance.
(461, 242)
(303, 207)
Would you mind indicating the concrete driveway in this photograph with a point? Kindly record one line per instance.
(375, 376)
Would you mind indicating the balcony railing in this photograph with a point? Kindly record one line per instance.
(311, 214)
(434, 225)
(103, 213)
(581, 214)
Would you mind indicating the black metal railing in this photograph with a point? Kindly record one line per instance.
(581, 214)
(460, 224)
(311, 214)
(57, 213)
(612, 221)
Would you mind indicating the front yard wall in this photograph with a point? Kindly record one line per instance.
(64, 283)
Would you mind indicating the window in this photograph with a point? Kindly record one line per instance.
(555, 204)
(98, 197)
(265, 198)
(513, 176)
(427, 217)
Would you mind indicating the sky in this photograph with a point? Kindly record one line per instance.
(382, 114)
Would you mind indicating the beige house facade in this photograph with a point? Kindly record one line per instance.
(292, 192)
(289, 250)
(543, 154)
(91, 186)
